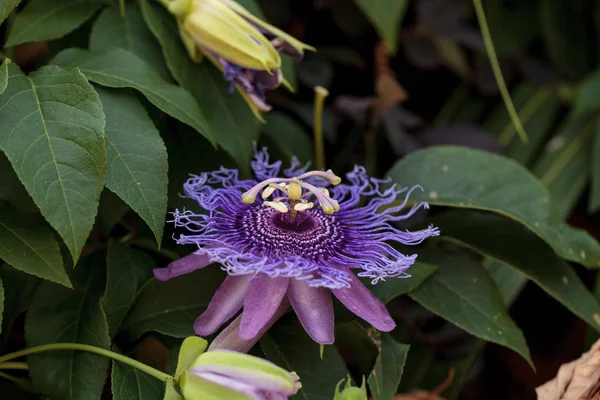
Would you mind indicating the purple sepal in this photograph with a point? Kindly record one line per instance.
(364, 304)
(183, 266)
(226, 302)
(260, 304)
(314, 309)
(229, 338)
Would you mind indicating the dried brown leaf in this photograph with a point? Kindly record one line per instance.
(578, 379)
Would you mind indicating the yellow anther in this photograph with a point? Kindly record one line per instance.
(268, 191)
(281, 207)
(303, 206)
(334, 180)
(294, 191)
(336, 205)
(248, 198)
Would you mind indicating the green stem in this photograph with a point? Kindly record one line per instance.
(320, 94)
(14, 365)
(91, 349)
(122, 8)
(491, 52)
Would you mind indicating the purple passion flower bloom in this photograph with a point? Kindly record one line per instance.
(222, 374)
(289, 251)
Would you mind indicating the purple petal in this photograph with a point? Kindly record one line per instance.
(229, 338)
(314, 309)
(262, 300)
(226, 302)
(183, 266)
(358, 299)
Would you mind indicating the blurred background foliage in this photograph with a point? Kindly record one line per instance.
(409, 81)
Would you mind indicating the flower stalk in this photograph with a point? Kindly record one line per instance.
(90, 349)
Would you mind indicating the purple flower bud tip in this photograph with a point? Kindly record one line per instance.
(288, 250)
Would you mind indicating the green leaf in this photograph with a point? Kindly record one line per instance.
(136, 159)
(19, 289)
(231, 122)
(594, 204)
(119, 68)
(394, 287)
(466, 178)
(386, 16)
(52, 131)
(171, 307)
(129, 32)
(509, 281)
(127, 270)
(289, 136)
(463, 293)
(564, 165)
(288, 345)
(4, 75)
(28, 246)
(6, 7)
(559, 33)
(43, 20)
(503, 239)
(129, 383)
(386, 374)
(61, 315)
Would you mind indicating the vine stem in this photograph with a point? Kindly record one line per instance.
(90, 349)
(320, 94)
(491, 51)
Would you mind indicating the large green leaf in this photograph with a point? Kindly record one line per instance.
(287, 345)
(231, 122)
(19, 289)
(60, 315)
(386, 16)
(462, 292)
(504, 239)
(6, 7)
(129, 383)
(171, 307)
(393, 287)
(28, 246)
(119, 68)
(127, 270)
(136, 159)
(4, 75)
(43, 20)
(466, 178)
(128, 32)
(564, 165)
(52, 131)
(386, 374)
